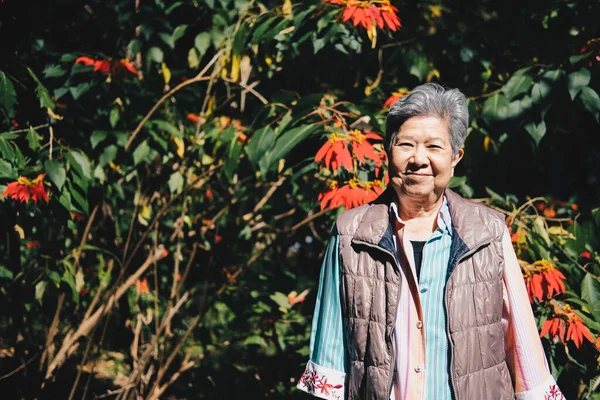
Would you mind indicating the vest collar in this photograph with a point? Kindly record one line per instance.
(375, 224)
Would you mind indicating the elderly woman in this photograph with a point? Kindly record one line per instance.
(421, 295)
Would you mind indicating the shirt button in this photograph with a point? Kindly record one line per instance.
(424, 289)
(419, 324)
(418, 369)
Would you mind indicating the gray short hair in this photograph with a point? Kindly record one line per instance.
(435, 100)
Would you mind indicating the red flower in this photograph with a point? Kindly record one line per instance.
(142, 286)
(218, 239)
(193, 118)
(33, 244)
(353, 194)
(543, 280)
(586, 254)
(515, 236)
(593, 45)
(566, 325)
(549, 213)
(76, 217)
(574, 207)
(23, 189)
(397, 95)
(209, 194)
(541, 207)
(369, 13)
(335, 153)
(109, 66)
(361, 147)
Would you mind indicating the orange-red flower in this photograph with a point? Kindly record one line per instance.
(335, 153)
(193, 118)
(543, 280)
(209, 194)
(515, 236)
(142, 286)
(361, 147)
(593, 45)
(549, 213)
(397, 95)
(109, 66)
(369, 13)
(574, 207)
(566, 325)
(23, 189)
(76, 216)
(33, 244)
(353, 194)
(586, 254)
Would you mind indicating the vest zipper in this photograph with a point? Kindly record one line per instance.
(449, 344)
(397, 304)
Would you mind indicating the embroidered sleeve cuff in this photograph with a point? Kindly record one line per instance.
(546, 391)
(325, 383)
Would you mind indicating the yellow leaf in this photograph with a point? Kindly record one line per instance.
(287, 7)
(436, 11)
(487, 142)
(211, 105)
(20, 231)
(166, 73)
(180, 146)
(235, 68)
(372, 34)
(280, 165)
(368, 90)
(53, 115)
(560, 231)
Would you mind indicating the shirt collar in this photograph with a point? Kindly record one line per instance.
(444, 221)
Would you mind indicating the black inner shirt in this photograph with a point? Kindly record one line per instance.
(418, 252)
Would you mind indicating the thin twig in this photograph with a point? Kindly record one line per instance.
(20, 367)
(35, 128)
(308, 219)
(197, 78)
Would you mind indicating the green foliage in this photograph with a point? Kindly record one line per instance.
(190, 128)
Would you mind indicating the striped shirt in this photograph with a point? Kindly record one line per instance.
(421, 346)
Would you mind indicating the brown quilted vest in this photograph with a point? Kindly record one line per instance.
(473, 300)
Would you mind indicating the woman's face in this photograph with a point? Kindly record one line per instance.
(421, 161)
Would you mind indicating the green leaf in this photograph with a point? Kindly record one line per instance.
(33, 139)
(114, 117)
(141, 153)
(179, 32)
(166, 126)
(81, 163)
(168, 39)
(232, 159)
(495, 109)
(536, 131)
(54, 71)
(590, 292)
(577, 80)
(193, 60)
(79, 90)
(590, 100)
(8, 95)
(262, 141)
(202, 42)
(6, 170)
(516, 85)
(42, 92)
(109, 154)
(155, 54)
(575, 59)
(56, 172)
(134, 47)
(176, 182)
(40, 288)
(97, 137)
(282, 300)
(7, 150)
(6, 273)
(288, 140)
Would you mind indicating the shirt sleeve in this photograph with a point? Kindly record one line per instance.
(524, 352)
(325, 372)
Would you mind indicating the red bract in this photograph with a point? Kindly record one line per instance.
(369, 13)
(395, 97)
(335, 153)
(586, 254)
(109, 66)
(566, 325)
(33, 244)
(355, 193)
(142, 286)
(23, 189)
(361, 147)
(543, 280)
(549, 213)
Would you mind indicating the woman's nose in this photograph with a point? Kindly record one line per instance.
(420, 156)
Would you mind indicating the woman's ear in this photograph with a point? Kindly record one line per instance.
(457, 157)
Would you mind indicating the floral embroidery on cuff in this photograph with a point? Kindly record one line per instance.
(553, 393)
(317, 381)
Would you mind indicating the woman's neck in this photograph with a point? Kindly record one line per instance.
(410, 208)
